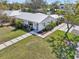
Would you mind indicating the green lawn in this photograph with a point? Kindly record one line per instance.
(34, 47)
(60, 34)
(57, 42)
(6, 33)
(30, 48)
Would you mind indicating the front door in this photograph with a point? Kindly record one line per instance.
(30, 24)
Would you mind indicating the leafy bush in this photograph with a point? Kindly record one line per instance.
(27, 10)
(60, 47)
(24, 10)
(18, 23)
(50, 26)
(60, 12)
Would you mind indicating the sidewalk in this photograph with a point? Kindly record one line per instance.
(13, 41)
(45, 35)
(64, 28)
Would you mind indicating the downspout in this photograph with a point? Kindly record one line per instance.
(37, 27)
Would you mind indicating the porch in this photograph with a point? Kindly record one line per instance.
(31, 26)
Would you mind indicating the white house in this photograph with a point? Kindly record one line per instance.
(37, 21)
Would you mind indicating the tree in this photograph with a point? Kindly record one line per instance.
(18, 23)
(35, 3)
(60, 12)
(50, 26)
(3, 4)
(71, 17)
(15, 6)
(4, 19)
(55, 5)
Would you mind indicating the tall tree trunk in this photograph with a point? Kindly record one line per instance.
(66, 33)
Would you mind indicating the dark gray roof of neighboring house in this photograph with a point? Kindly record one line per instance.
(56, 16)
(11, 12)
(33, 17)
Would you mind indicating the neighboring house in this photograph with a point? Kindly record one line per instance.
(61, 6)
(12, 13)
(36, 21)
(55, 16)
(38, 10)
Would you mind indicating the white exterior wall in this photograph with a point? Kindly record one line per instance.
(44, 23)
(35, 26)
(25, 22)
(41, 25)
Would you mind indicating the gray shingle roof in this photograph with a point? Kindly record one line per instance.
(33, 17)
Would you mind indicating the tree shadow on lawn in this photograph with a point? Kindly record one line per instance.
(60, 47)
(19, 29)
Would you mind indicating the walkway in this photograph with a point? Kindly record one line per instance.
(45, 35)
(62, 27)
(13, 41)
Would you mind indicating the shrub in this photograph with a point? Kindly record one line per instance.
(18, 23)
(50, 26)
(27, 10)
(60, 12)
(60, 46)
(24, 10)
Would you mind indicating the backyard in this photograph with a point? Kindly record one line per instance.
(8, 33)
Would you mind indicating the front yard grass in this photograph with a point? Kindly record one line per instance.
(62, 47)
(30, 48)
(35, 47)
(60, 35)
(6, 33)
